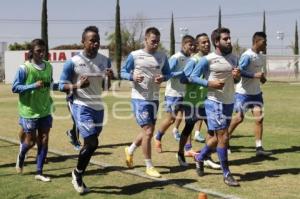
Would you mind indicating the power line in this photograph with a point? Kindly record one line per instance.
(154, 19)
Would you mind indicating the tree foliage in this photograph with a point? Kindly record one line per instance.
(118, 40)
(172, 37)
(19, 46)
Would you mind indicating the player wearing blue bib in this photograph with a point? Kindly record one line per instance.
(147, 69)
(248, 94)
(220, 73)
(82, 76)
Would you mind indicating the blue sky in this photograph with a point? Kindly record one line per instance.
(19, 19)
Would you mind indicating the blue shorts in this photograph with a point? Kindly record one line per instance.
(31, 124)
(173, 104)
(88, 120)
(218, 114)
(144, 111)
(193, 113)
(244, 102)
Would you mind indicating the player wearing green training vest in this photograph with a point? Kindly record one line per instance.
(32, 83)
(194, 102)
(36, 103)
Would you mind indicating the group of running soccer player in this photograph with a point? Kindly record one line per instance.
(201, 86)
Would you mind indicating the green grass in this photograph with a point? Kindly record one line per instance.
(273, 177)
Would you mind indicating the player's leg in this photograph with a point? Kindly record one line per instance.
(177, 123)
(172, 107)
(198, 136)
(89, 123)
(240, 103)
(146, 149)
(240, 107)
(73, 133)
(258, 131)
(166, 123)
(29, 128)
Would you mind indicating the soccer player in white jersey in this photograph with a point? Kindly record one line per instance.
(174, 89)
(147, 69)
(248, 94)
(220, 73)
(82, 76)
(193, 101)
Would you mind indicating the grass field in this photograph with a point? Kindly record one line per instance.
(273, 177)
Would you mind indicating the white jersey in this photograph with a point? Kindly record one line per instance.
(174, 88)
(220, 68)
(95, 70)
(149, 66)
(250, 86)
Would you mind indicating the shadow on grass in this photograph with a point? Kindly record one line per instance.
(114, 145)
(139, 187)
(254, 159)
(251, 160)
(256, 175)
(35, 196)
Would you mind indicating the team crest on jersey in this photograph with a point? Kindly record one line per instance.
(145, 114)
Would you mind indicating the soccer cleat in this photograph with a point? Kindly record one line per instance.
(230, 181)
(42, 178)
(181, 160)
(190, 153)
(158, 147)
(199, 138)
(211, 164)
(19, 164)
(153, 172)
(129, 158)
(199, 167)
(73, 139)
(176, 136)
(260, 152)
(78, 184)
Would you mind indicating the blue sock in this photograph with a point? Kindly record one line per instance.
(223, 157)
(24, 149)
(203, 153)
(187, 147)
(42, 154)
(159, 135)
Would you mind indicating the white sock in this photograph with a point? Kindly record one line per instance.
(258, 143)
(175, 130)
(132, 148)
(197, 133)
(148, 163)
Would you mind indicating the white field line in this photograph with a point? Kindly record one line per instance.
(136, 172)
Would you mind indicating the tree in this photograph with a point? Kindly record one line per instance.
(265, 51)
(172, 37)
(118, 40)
(296, 51)
(19, 46)
(220, 18)
(44, 28)
(237, 49)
